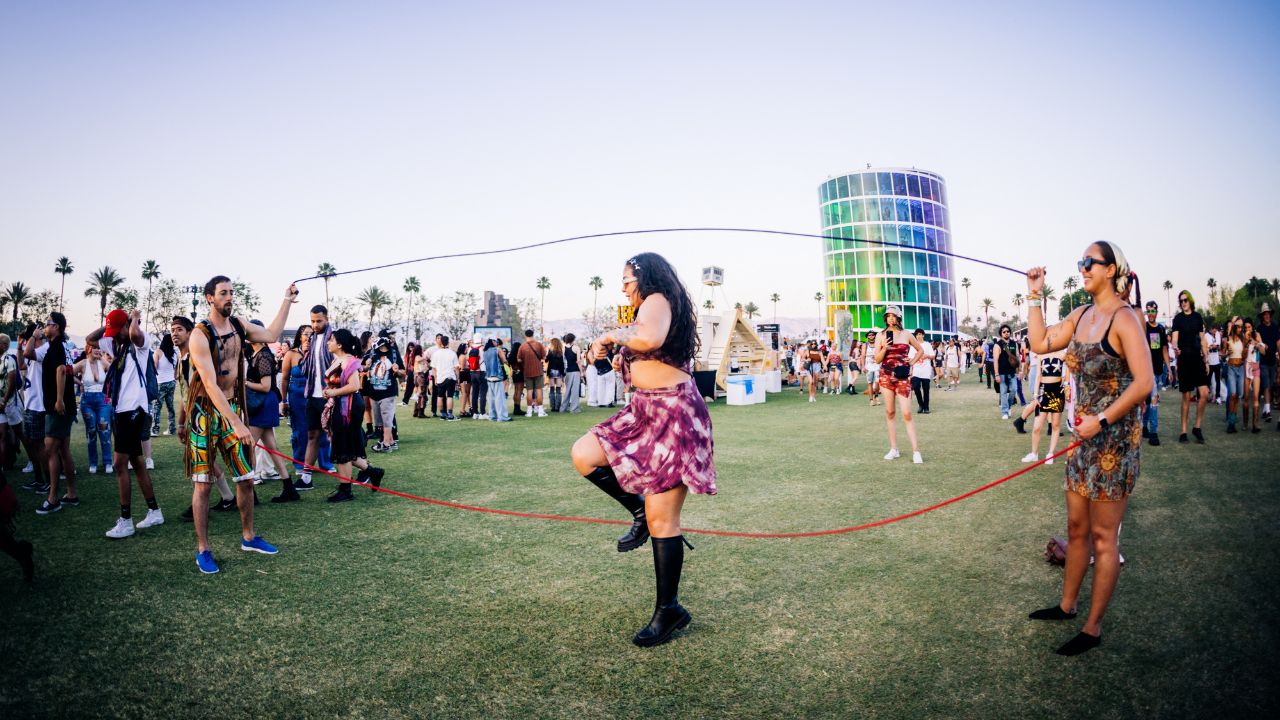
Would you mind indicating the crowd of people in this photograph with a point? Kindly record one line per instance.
(226, 384)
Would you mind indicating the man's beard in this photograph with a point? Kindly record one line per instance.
(225, 312)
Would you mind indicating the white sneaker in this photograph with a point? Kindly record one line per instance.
(109, 469)
(29, 467)
(123, 529)
(1005, 416)
(153, 518)
(893, 454)
(1030, 458)
(93, 469)
(813, 399)
(151, 464)
(917, 458)
(1049, 461)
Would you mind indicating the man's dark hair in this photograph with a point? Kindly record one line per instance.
(61, 321)
(444, 340)
(919, 331)
(655, 275)
(184, 321)
(320, 310)
(528, 333)
(570, 337)
(1005, 327)
(211, 287)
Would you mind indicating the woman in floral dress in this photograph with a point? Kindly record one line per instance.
(1108, 355)
(658, 448)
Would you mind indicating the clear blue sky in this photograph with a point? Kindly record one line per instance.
(358, 133)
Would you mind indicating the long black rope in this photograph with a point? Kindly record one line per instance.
(621, 233)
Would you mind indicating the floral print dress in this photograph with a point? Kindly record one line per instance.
(1104, 467)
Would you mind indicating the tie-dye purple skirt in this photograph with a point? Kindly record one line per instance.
(660, 440)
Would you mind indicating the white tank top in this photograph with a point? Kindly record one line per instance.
(95, 374)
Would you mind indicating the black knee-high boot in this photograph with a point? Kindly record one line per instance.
(603, 478)
(668, 615)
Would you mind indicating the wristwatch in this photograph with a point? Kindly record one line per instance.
(1102, 422)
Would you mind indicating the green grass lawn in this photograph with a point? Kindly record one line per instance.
(385, 607)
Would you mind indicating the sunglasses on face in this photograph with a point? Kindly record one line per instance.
(1086, 264)
(1183, 301)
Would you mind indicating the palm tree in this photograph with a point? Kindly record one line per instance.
(708, 306)
(966, 283)
(1017, 304)
(751, 310)
(102, 283)
(412, 287)
(737, 306)
(1211, 284)
(986, 306)
(1168, 299)
(63, 268)
(17, 294)
(774, 298)
(150, 271)
(818, 297)
(543, 285)
(326, 271)
(1070, 285)
(376, 299)
(596, 283)
(1049, 296)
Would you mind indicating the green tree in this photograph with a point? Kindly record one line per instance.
(1071, 301)
(1017, 303)
(821, 321)
(150, 271)
(16, 295)
(596, 283)
(751, 310)
(102, 283)
(966, 284)
(774, 298)
(1168, 297)
(326, 271)
(1048, 295)
(63, 268)
(543, 286)
(986, 306)
(375, 298)
(413, 287)
(708, 306)
(1070, 284)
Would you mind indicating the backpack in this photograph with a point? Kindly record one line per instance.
(115, 375)
(473, 359)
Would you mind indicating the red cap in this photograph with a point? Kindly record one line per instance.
(116, 319)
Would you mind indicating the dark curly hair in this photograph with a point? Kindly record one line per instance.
(348, 342)
(655, 275)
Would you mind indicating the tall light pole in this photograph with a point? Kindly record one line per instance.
(195, 298)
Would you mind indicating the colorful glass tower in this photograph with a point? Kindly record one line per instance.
(904, 206)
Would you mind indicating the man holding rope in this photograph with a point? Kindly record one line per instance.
(214, 411)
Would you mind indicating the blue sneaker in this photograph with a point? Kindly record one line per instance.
(258, 545)
(205, 562)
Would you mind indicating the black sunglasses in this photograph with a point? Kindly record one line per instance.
(1087, 263)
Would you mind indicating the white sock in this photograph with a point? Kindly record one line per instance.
(224, 490)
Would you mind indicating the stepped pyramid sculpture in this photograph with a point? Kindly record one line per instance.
(731, 340)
